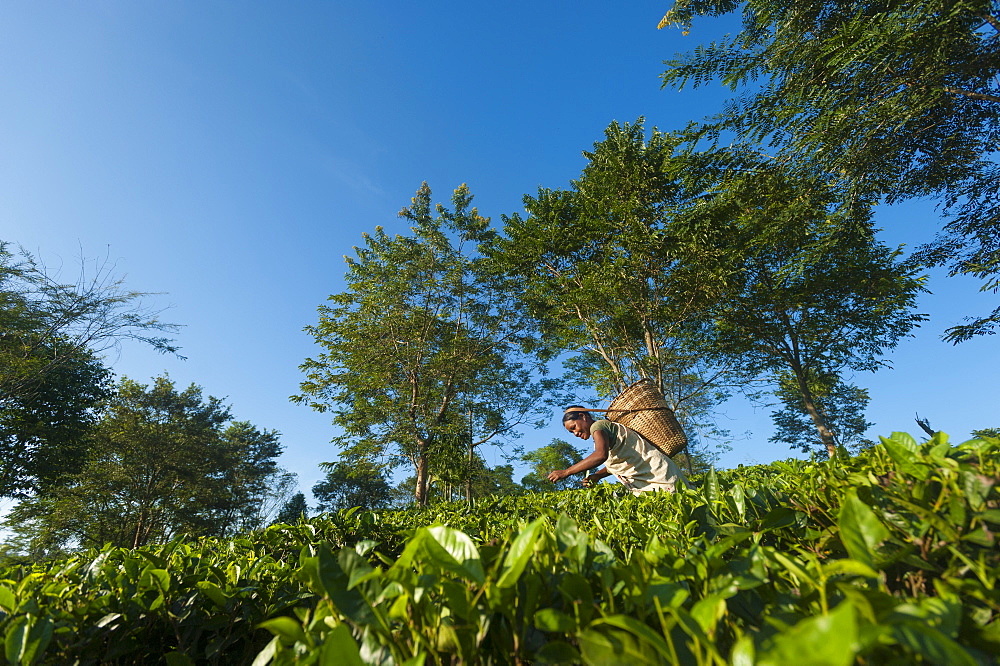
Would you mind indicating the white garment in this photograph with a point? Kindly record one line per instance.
(638, 464)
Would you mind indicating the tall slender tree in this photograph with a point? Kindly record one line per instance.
(841, 405)
(425, 346)
(811, 292)
(615, 268)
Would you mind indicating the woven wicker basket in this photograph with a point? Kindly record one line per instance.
(641, 407)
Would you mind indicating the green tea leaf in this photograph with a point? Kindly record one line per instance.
(175, 658)
(455, 551)
(16, 635)
(557, 652)
(736, 499)
(849, 567)
(708, 611)
(554, 621)
(615, 648)
(416, 660)
(158, 579)
(710, 487)
(905, 440)
(777, 518)
(991, 516)
(977, 488)
(860, 529)
(339, 648)
(572, 542)
(519, 553)
(286, 628)
(824, 640)
(365, 546)
(932, 644)
(265, 656)
(743, 653)
(639, 629)
(904, 457)
(107, 619)
(8, 601)
(669, 593)
(27, 639)
(213, 592)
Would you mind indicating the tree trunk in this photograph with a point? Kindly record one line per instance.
(468, 471)
(468, 474)
(420, 494)
(825, 434)
(139, 527)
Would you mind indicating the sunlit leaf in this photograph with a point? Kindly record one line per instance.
(460, 554)
(288, 629)
(519, 553)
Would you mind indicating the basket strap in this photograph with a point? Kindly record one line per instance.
(636, 409)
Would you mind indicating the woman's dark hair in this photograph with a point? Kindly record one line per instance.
(574, 416)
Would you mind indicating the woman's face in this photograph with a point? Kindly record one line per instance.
(579, 427)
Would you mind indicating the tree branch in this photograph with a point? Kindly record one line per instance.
(925, 425)
(992, 20)
(973, 95)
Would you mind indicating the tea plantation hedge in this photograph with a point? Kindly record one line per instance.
(890, 557)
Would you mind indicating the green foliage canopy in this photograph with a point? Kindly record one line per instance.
(811, 290)
(294, 510)
(887, 557)
(841, 405)
(347, 485)
(893, 100)
(426, 348)
(52, 335)
(557, 454)
(615, 269)
(45, 428)
(163, 463)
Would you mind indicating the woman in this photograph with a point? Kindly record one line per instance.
(638, 464)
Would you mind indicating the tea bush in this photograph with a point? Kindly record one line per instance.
(889, 557)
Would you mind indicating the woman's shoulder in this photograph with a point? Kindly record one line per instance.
(601, 424)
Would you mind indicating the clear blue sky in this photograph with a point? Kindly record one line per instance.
(230, 153)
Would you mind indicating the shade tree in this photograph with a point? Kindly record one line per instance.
(812, 291)
(164, 461)
(425, 347)
(346, 485)
(557, 454)
(615, 268)
(294, 510)
(52, 375)
(891, 100)
(842, 406)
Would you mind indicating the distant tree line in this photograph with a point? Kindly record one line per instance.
(91, 460)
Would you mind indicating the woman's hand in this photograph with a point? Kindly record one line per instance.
(594, 478)
(558, 475)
